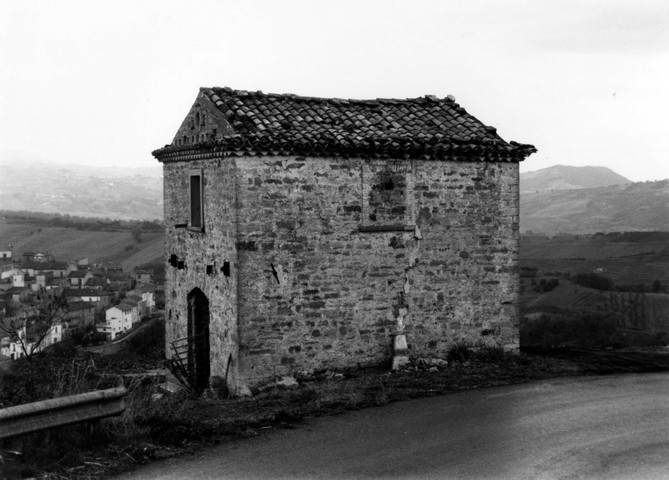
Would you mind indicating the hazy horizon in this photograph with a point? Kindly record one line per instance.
(156, 168)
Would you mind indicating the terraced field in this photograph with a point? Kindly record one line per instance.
(70, 243)
(623, 271)
(638, 312)
(640, 262)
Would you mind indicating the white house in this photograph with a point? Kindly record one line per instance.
(78, 278)
(7, 270)
(12, 347)
(118, 319)
(6, 251)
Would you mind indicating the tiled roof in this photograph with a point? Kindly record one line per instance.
(45, 265)
(76, 306)
(124, 306)
(87, 292)
(78, 274)
(97, 282)
(284, 124)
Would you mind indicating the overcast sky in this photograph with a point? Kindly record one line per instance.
(105, 83)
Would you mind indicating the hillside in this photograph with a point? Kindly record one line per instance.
(635, 312)
(84, 191)
(635, 206)
(562, 177)
(70, 243)
(635, 302)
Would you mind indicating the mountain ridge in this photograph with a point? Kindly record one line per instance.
(565, 177)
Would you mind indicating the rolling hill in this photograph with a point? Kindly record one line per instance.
(563, 177)
(78, 190)
(620, 208)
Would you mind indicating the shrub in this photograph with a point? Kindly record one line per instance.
(148, 342)
(545, 286)
(463, 351)
(582, 329)
(592, 280)
(460, 351)
(491, 354)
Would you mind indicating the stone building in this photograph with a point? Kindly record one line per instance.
(306, 233)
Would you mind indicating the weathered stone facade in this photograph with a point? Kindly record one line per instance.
(313, 262)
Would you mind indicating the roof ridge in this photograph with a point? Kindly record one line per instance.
(247, 93)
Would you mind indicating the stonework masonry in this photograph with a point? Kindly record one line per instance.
(329, 258)
(310, 233)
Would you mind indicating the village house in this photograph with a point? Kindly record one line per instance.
(306, 233)
(118, 319)
(19, 294)
(6, 251)
(78, 278)
(143, 293)
(118, 281)
(97, 282)
(14, 347)
(142, 276)
(77, 317)
(58, 269)
(7, 270)
(100, 298)
(38, 257)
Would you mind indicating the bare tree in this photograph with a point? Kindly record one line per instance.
(31, 331)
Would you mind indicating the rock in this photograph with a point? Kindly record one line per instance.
(287, 382)
(218, 387)
(399, 361)
(170, 388)
(433, 369)
(304, 376)
(156, 396)
(243, 392)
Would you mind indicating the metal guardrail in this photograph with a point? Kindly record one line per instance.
(58, 412)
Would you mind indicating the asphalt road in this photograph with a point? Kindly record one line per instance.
(614, 427)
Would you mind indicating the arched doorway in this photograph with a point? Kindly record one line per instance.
(198, 340)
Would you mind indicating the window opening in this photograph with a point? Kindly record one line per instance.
(196, 210)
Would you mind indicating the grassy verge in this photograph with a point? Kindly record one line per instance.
(178, 424)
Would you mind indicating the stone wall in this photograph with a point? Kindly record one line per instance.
(437, 258)
(312, 263)
(205, 260)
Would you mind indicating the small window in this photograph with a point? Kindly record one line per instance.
(196, 203)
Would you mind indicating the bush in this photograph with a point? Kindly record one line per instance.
(463, 351)
(545, 286)
(459, 352)
(592, 280)
(149, 342)
(583, 329)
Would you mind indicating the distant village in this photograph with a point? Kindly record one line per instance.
(101, 301)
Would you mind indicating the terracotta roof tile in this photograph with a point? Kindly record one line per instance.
(286, 124)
